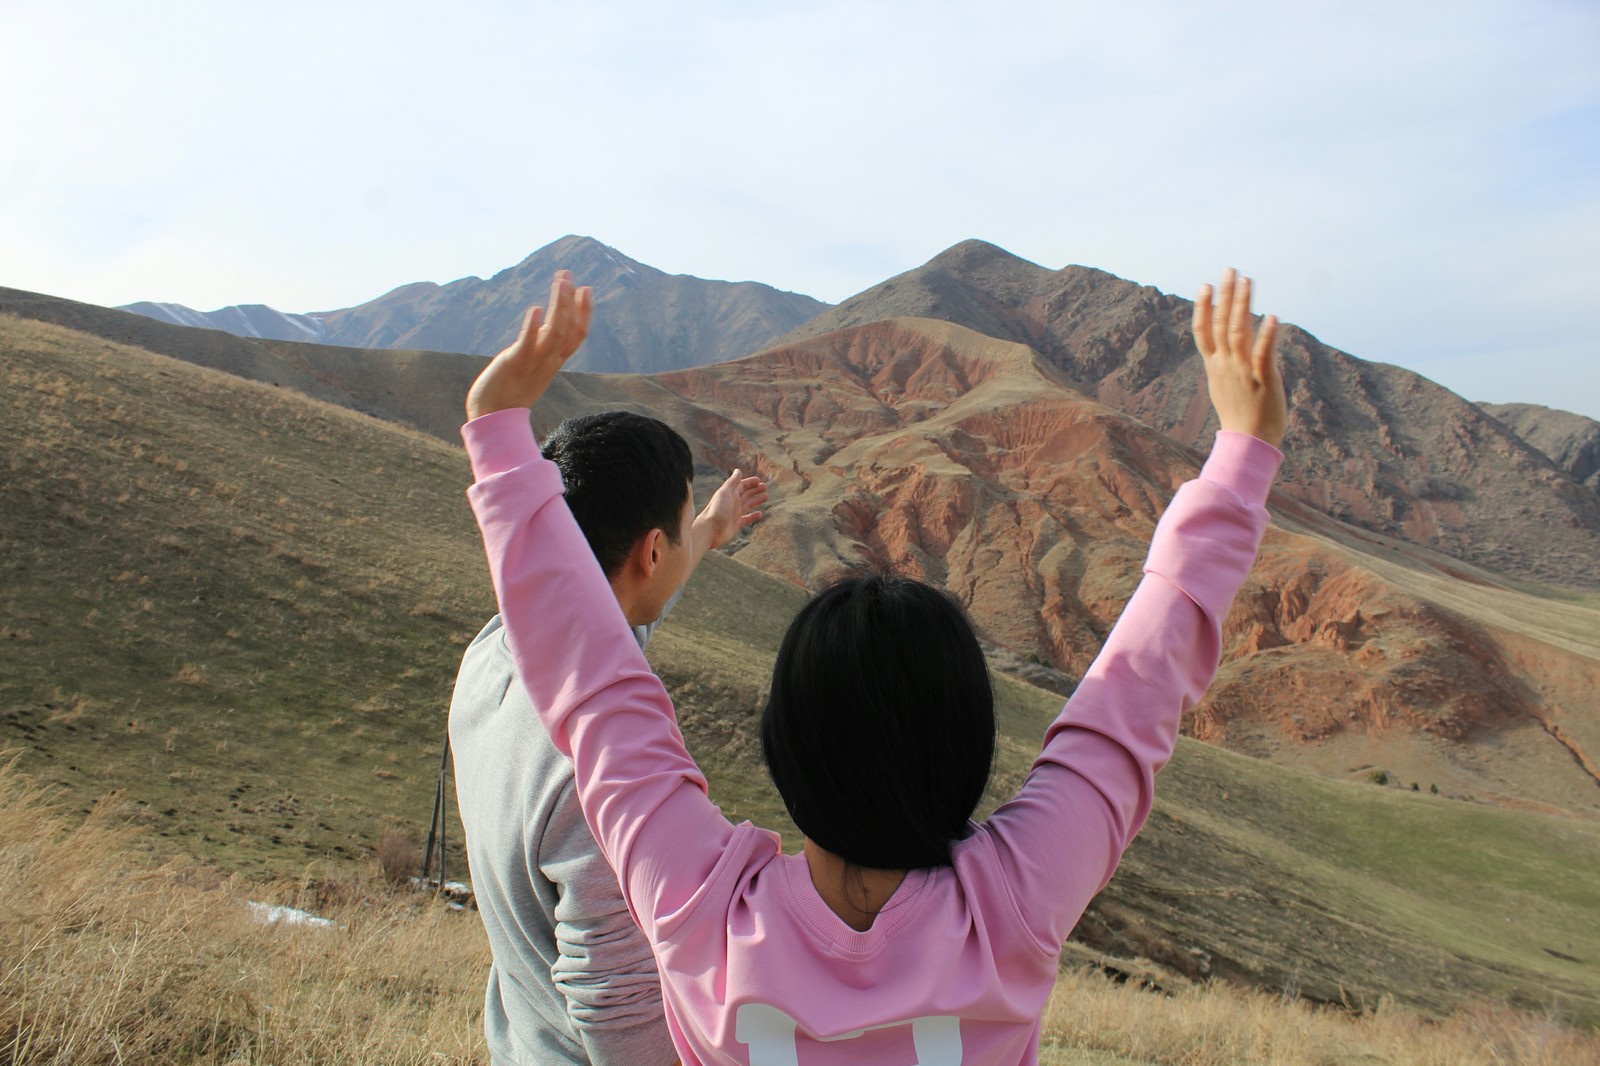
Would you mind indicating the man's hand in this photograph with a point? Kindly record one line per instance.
(733, 506)
(1241, 369)
(518, 376)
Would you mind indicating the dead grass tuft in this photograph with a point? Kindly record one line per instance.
(398, 857)
(424, 609)
(1219, 1025)
(173, 543)
(106, 960)
(190, 674)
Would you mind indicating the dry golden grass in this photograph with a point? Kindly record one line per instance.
(105, 960)
(246, 581)
(1092, 1020)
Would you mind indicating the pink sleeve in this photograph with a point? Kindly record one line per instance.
(641, 793)
(1059, 840)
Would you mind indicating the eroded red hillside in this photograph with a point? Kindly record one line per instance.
(1371, 444)
(923, 447)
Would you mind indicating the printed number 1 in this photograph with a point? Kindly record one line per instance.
(769, 1033)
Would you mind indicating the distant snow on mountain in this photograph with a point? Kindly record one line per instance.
(650, 320)
(241, 320)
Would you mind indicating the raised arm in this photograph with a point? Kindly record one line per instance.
(732, 507)
(641, 793)
(1059, 840)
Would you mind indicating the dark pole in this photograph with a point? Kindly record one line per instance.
(436, 826)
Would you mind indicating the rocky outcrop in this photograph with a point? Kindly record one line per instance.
(1570, 441)
(1318, 645)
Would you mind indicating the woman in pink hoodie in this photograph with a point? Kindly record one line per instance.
(903, 932)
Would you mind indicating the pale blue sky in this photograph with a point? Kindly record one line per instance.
(1417, 184)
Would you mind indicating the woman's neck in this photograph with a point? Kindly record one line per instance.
(855, 893)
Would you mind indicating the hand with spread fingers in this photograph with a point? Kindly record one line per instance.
(1241, 367)
(520, 374)
(736, 504)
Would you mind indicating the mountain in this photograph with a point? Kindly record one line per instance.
(971, 462)
(921, 446)
(202, 347)
(247, 320)
(1570, 441)
(244, 608)
(977, 463)
(649, 320)
(1370, 444)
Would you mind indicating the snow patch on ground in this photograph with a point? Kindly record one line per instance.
(269, 914)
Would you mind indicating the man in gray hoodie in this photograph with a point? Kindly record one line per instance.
(573, 979)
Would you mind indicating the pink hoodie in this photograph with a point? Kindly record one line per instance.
(755, 967)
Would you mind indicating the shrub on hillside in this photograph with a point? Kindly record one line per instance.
(398, 858)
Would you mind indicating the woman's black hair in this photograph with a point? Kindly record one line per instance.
(879, 730)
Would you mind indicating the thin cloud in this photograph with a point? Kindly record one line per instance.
(1405, 185)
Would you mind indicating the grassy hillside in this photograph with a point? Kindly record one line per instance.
(113, 960)
(203, 347)
(116, 961)
(246, 608)
(1348, 893)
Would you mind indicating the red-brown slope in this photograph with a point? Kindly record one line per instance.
(1331, 667)
(951, 457)
(970, 462)
(1368, 443)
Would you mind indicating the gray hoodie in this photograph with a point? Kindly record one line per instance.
(573, 979)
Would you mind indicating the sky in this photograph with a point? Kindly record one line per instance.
(1416, 184)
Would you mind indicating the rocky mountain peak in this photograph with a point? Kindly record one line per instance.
(1374, 445)
(591, 262)
(653, 320)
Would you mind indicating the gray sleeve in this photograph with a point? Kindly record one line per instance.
(605, 969)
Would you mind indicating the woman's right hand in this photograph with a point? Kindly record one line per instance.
(1241, 367)
(518, 376)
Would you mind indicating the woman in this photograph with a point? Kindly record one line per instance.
(903, 932)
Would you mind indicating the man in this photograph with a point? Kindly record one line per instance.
(573, 979)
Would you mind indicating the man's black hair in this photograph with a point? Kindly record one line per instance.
(879, 730)
(625, 474)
